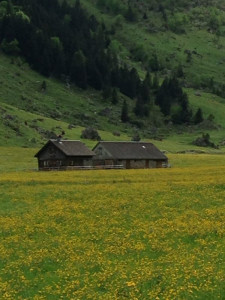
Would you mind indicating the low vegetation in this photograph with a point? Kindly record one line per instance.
(114, 234)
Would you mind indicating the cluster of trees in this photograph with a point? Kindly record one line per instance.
(57, 40)
(65, 42)
(116, 7)
(170, 97)
(173, 101)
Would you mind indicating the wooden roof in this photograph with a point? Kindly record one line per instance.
(132, 150)
(69, 148)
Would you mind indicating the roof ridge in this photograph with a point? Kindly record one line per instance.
(134, 142)
(61, 140)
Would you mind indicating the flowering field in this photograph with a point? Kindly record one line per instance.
(118, 234)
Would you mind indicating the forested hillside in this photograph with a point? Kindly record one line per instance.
(140, 57)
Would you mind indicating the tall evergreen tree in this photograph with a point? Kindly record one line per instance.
(198, 117)
(163, 98)
(141, 109)
(115, 97)
(9, 8)
(130, 14)
(78, 71)
(94, 76)
(134, 83)
(124, 112)
(145, 89)
(155, 83)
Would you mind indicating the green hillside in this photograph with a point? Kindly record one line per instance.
(189, 27)
(159, 39)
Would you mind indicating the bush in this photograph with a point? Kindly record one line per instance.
(91, 134)
(11, 48)
(136, 137)
(177, 23)
(204, 141)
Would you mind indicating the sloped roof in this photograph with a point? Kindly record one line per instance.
(132, 150)
(69, 148)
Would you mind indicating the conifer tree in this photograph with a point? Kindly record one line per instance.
(145, 89)
(198, 117)
(124, 113)
(43, 86)
(78, 70)
(141, 109)
(9, 8)
(115, 96)
(148, 79)
(186, 112)
(130, 14)
(155, 83)
(133, 83)
(179, 71)
(106, 92)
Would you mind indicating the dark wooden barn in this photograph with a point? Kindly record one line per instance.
(130, 155)
(64, 155)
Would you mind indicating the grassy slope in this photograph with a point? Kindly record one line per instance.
(170, 47)
(21, 88)
(21, 97)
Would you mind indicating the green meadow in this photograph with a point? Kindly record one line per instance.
(112, 234)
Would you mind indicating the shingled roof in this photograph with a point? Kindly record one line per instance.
(132, 150)
(69, 148)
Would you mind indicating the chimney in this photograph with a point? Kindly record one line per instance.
(59, 137)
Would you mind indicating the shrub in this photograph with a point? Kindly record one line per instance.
(136, 137)
(91, 134)
(204, 141)
(11, 48)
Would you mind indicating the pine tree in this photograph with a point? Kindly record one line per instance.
(106, 92)
(43, 86)
(133, 83)
(78, 71)
(94, 75)
(198, 117)
(148, 79)
(155, 83)
(179, 71)
(163, 98)
(45, 67)
(124, 113)
(115, 97)
(130, 14)
(186, 113)
(145, 89)
(154, 63)
(9, 8)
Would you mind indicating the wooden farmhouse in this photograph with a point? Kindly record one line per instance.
(131, 155)
(64, 155)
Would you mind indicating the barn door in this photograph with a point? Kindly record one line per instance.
(147, 164)
(159, 164)
(109, 162)
(127, 164)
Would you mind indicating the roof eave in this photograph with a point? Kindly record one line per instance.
(37, 154)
